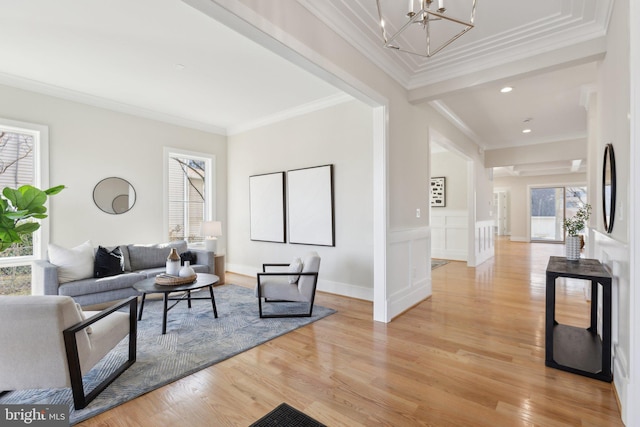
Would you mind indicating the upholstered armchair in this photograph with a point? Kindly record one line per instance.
(295, 282)
(47, 343)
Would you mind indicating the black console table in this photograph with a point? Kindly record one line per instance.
(572, 349)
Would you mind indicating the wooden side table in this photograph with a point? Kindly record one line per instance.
(220, 267)
(572, 349)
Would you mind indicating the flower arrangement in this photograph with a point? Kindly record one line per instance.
(576, 223)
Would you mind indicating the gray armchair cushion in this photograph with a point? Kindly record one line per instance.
(277, 286)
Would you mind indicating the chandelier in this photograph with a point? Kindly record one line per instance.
(425, 31)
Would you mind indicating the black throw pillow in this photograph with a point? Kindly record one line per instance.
(108, 263)
(188, 256)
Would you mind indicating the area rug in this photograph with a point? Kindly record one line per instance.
(286, 416)
(435, 263)
(194, 341)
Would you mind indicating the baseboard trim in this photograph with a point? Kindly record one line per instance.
(329, 286)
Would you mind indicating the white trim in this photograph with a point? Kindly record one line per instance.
(210, 190)
(40, 135)
(328, 286)
(96, 101)
(630, 407)
(300, 110)
(380, 213)
(446, 112)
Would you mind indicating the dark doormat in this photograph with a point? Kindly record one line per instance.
(286, 416)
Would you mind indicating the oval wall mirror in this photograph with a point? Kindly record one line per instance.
(609, 187)
(114, 195)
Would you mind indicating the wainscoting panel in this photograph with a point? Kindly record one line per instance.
(408, 269)
(484, 242)
(615, 257)
(450, 234)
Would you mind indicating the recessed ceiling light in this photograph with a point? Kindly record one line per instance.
(526, 130)
(179, 67)
(506, 89)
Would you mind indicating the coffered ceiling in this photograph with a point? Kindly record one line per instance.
(166, 60)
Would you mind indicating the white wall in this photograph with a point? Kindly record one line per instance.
(454, 169)
(613, 106)
(87, 144)
(518, 188)
(340, 135)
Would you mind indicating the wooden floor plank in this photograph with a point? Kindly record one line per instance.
(471, 355)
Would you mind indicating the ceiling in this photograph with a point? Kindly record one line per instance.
(166, 60)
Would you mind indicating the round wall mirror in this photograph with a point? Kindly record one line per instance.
(609, 187)
(114, 195)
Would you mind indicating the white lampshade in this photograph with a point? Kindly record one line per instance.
(211, 230)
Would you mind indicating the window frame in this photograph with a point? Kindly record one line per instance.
(209, 190)
(40, 134)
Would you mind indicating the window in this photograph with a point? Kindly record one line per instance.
(549, 207)
(189, 193)
(23, 160)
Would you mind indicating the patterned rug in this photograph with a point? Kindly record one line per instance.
(194, 341)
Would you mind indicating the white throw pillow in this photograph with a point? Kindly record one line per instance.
(73, 264)
(294, 267)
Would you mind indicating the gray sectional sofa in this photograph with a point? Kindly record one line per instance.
(140, 262)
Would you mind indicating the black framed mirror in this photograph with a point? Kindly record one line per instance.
(609, 187)
(114, 195)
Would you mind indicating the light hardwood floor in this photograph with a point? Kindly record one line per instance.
(471, 355)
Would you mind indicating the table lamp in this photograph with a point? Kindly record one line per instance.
(211, 230)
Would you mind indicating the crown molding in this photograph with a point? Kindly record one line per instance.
(95, 101)
(320, 104)
(360, 37)
(574, 23)
(442, 108)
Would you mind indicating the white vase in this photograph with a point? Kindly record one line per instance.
(173, 263)
(572, 246)
(186, 270)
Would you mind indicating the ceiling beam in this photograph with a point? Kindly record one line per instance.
(568, 150)
(577, 54)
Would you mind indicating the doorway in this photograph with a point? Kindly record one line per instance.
(549, 208)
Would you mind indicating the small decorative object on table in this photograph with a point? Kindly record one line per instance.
(572, 226)
(173, 263)
(186, 270)
(170, 280)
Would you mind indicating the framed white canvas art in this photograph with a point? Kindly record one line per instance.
(267, 206)
(311, 210)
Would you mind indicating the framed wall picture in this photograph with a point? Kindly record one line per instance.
(267, 206)
(311, 211)
(438, 192)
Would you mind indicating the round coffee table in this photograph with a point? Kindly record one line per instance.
(149, 286)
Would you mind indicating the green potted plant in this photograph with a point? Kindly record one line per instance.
(573, 226)
(19, 211)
